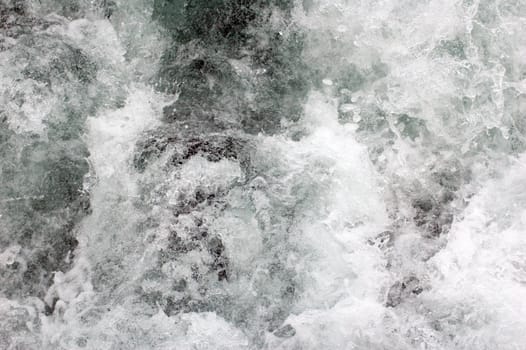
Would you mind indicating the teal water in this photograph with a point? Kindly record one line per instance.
(273, 174)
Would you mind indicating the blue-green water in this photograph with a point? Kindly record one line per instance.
(262, 174)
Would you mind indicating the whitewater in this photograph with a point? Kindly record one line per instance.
(263, 174)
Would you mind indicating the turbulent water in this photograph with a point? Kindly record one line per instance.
(263, 174)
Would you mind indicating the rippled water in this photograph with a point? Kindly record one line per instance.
(262, 174)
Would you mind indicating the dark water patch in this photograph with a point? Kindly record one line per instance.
(455, 48)
(67, 62)
(401, 290)
(75, 9)
(286, 331)
(42, 171)
(229, 65)
(217, 21)
(43, 199)
(183, 143)
(411, 127)
(384, 240)
(432, 217)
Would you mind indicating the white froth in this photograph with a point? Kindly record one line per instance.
(341, 195)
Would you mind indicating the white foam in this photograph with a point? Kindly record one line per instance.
(474, 291)
(481, 272)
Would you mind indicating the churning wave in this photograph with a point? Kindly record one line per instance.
(263, 174)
